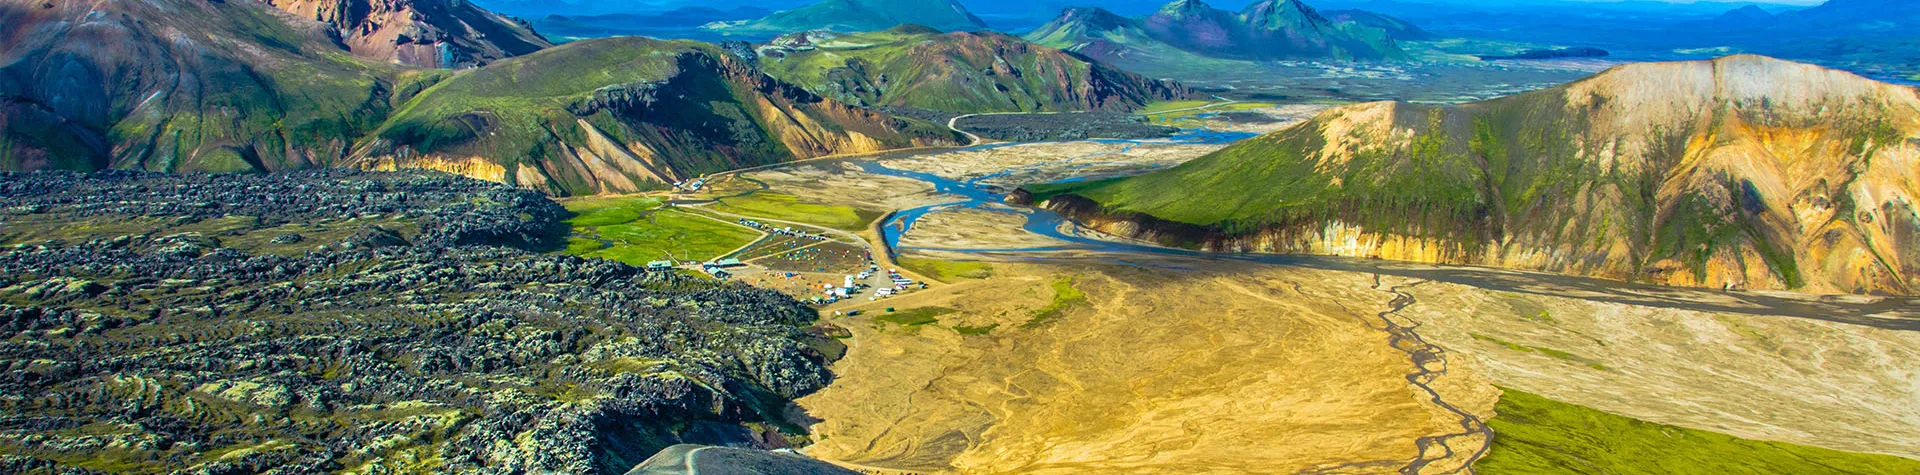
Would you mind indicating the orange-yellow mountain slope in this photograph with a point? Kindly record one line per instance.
(1744, 171)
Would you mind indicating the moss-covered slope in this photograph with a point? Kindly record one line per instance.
(956, 72)
(623, 114)
(1743, 171)
(176, 85)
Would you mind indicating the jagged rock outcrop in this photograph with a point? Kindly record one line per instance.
(1745, 172)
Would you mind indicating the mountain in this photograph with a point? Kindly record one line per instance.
(965, 72)
(860, 15)
(428, 33)
(1396, 28)
(1188, 33)
(177, 85)
(1744, 170)
(1746, 14)
(1888, 16)
(1289, 29)
(624, 114)
(191, 86)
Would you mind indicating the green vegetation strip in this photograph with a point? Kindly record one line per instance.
(635, 231)
(947, 270)
(915, 317)
(1065, 296)
(789, 208)
(1184, 118)
(975, 331)
(1536, 435)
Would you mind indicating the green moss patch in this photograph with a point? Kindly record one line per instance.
(1536, 435)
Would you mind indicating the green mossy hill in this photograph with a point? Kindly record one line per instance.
(1744, 170)
(963, 72)
(361, 322)
(1537, 436)
(861, 15)
(177, 85)
(627, 114)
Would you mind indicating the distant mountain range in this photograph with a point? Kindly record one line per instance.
(848, 16)
(1744, 171)
(967, 72)
(1185, 29)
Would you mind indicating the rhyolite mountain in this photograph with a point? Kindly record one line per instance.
(966, 72)
(860, 15)
(1744, 171)
(430, 33)
(192, 86)
(181, 85)
(1187, 32)
(624, 114)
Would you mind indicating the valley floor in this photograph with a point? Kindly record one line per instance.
(1058, 358)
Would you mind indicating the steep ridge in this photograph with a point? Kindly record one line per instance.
(429, 33)
(958, 72)
(176, 85)
(860, 15)
(620, 114)
(1272, 29)
(1744, 171)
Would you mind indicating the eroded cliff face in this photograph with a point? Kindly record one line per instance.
(1746, 172)
(427, 33)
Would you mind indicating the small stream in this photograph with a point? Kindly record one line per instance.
(975, 194)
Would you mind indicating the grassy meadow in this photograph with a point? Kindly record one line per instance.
(636, 230)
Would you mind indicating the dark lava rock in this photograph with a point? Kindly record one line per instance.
(453, 349)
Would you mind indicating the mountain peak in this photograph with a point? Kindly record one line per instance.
(1185, 8)
(1283, 14)
(1096, 17)
(1750, 12)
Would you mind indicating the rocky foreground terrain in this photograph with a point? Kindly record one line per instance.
(359, 322)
